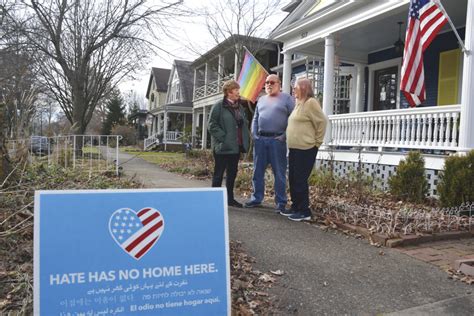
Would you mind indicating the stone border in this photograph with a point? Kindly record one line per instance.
(404, 240)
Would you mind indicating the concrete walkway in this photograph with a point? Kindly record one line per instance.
(328, 273)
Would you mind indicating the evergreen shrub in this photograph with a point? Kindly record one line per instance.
(456, 185)
(409, 182)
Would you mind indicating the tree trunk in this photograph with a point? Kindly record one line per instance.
(4, 163)
(79, 109)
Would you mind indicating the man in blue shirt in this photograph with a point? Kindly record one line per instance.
(268, 132)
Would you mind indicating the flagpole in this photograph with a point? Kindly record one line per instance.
(466, 51)
(255, 59)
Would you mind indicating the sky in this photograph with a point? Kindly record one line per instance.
(191, 32)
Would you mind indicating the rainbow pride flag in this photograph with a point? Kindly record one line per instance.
(251, 78)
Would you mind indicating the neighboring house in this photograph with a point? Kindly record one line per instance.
(156, 96)
(355, 47)
(221, 63)
(173, 117)
(138, 119)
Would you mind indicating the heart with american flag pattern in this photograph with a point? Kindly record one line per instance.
(136, 232)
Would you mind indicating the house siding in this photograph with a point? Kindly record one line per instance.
(441, 43)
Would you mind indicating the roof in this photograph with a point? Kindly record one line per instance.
(291, 6)
(186, 79)
(229, 42)
(161, 76)
(140, 113)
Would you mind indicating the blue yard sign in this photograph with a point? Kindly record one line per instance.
(131, 252)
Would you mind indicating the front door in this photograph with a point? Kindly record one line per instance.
(385, 97)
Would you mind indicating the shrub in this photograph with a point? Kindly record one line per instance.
(128, 133)
(456, 184)
(409, 183)
(322, 178)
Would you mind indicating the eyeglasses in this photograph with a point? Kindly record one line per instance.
(270, 82)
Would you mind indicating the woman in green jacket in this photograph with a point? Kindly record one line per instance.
(229, 131)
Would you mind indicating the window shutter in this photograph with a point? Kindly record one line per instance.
(448, 82)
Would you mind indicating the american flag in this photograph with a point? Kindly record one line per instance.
(136, 232)
(425, 19)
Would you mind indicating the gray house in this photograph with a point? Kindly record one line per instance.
(170, 106)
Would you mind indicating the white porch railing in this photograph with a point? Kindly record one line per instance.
(212, 88)
(419, 128)
(151, 140)
(158, 138)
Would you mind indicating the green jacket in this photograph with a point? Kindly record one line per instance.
(223, 129)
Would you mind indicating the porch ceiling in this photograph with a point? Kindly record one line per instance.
(356, 42)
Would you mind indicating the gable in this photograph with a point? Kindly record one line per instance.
(158, 80)
(307, 11)
(318, 6)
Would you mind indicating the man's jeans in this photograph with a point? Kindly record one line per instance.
(268, 150)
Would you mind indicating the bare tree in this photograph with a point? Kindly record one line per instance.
(87, 47)
(248, 19)
(19, 84)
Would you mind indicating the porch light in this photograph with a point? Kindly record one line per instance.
(399, 45)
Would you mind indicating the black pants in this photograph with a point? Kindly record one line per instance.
(230, 163)
(301, 163)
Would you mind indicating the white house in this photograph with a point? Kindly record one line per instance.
(356, 47)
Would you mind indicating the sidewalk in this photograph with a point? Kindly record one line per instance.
(329, 273)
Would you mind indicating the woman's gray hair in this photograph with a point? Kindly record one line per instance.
(306, 88)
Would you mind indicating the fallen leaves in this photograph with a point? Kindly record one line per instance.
(277, 272)
(459, 276)
(249, 286)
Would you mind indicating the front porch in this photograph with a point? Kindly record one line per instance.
(168, 126)
(352, 46)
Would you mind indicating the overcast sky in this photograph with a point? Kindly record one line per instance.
(192, 32)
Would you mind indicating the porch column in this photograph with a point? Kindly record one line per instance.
(236, 62)
(158, 124)
(328, 89)
(165, 128)
(194, 82)
(359, 105)
(286, 81)
(206, 70)
(193, 126)
(466, 128)
(220, 70)
(204, 127)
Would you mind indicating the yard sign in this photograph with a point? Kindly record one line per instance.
(131, 252)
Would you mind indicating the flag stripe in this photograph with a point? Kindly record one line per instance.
(146, 241)
(145, 249)
(143, 236)
(139, 247)
(435, 27)
(150, 218)
(140, 232)
(425, 19)
(251, 78)
(143, 211)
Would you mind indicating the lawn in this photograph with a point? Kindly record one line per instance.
(159, 158)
